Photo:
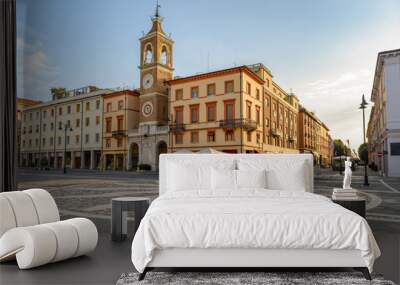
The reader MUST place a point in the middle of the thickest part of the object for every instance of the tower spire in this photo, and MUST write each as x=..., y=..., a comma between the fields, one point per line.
x=157, y=14
x=157, y=19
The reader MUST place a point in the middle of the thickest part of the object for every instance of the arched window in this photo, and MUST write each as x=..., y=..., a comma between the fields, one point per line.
x=164, y=55
x=148, y=54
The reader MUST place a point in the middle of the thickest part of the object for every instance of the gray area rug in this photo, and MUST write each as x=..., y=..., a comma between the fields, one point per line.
x=229, y=278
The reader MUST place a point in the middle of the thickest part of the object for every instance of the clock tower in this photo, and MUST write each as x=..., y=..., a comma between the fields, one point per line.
x=156, y=67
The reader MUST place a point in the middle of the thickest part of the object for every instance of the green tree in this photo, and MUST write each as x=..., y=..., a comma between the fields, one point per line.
x=58, y=91
x=339, y=148
x=363, y=152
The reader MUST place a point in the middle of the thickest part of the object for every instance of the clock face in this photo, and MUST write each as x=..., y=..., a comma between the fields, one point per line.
x=147, y=109
x=148, y=81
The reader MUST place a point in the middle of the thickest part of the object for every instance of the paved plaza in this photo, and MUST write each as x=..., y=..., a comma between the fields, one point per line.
x=88, y=193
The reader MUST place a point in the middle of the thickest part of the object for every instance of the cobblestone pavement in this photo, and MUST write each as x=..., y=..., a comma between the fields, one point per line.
x=383, y=196
x=89, y=193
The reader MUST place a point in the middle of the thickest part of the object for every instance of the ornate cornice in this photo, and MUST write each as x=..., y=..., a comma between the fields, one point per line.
x=217, y=73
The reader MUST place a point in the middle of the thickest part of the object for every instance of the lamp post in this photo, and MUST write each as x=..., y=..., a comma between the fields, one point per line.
x=66, y=128
x=340, y=164
x=363, y=105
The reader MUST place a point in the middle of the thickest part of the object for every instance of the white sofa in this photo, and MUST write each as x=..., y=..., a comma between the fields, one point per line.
x=31, y=231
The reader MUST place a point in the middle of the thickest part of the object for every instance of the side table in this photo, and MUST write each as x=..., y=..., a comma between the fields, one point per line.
x=357, y=206
x=119, y=208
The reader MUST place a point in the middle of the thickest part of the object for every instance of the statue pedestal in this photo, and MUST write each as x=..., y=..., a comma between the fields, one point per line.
x=345, y=194
x=356, y=206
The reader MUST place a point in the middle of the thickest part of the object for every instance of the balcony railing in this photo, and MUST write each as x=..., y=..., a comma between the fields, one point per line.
x=118, y=133
x=162, y=129
x=246, y=124
x=276, y=132
x=177, y=127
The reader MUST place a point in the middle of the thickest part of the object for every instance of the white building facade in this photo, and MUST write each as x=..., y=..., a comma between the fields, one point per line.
x=67, y=129
x=384, y=124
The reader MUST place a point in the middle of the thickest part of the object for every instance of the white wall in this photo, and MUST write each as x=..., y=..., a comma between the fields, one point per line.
x=392, y=85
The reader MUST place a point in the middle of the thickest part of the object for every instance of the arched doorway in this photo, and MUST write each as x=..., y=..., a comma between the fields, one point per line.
x=134, y=152
x=161, y=148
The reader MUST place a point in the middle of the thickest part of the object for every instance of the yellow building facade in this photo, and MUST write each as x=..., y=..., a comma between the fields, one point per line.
x=314, y=137
x=120, y=114
x=236, y=110
x=326, y=147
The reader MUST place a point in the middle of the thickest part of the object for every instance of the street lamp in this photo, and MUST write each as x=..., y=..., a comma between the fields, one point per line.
x=340, y=163
x=363, y=105
x=66, y=128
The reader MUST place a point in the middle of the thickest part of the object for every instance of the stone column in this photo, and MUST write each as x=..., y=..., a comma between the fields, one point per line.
x=63, y=159
x=92, y=166
x=129, y=159
x=48, y=159
x=124, y=162
x=83, y=162
x=72, y=164
x=20, y=159
x=103, y=161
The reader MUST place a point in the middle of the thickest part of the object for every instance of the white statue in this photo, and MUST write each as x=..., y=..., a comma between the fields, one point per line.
x=347, y=174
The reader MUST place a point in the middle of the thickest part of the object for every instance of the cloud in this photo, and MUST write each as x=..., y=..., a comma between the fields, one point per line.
x=35, y=73
x=336, y=100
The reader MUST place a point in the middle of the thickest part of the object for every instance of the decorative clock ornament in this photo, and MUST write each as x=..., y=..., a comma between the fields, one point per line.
x=148, y=81
x=147, y=109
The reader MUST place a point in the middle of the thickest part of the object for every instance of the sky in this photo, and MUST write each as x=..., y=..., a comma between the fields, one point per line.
x=324, y=51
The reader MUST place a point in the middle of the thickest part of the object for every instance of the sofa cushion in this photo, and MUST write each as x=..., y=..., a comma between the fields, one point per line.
x=41, y=244
x=23, y=208
x=7, y=220
x=45, y=205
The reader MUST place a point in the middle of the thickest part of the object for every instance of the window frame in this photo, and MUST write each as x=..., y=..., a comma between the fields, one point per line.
x=248, y=109
x=211, y=134
x=191, y=92
x=120, y=105
x=194, y=107
x=179, y=109
x=248, y=88
x=226, y=86
x=210, y=105
x=108, y=127
x=258, y=115
x=180, y=91
x=109, y=107
x=120, y=121
x=215, y=89
x=229, y=135
x=226, y=104
x=194, y=134
x=180, y=141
